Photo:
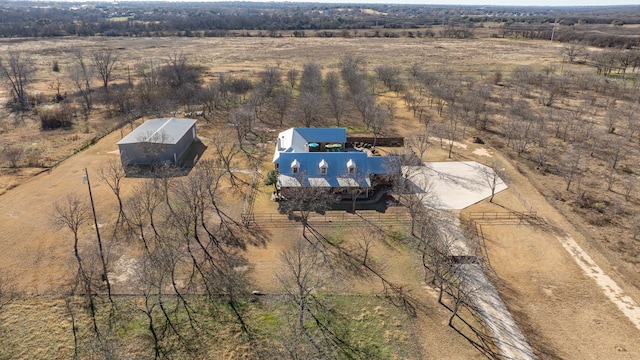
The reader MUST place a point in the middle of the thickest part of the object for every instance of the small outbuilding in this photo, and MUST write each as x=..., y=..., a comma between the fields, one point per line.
x=158, y=141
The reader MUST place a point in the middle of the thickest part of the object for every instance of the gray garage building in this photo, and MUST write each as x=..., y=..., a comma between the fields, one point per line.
x=158, y=141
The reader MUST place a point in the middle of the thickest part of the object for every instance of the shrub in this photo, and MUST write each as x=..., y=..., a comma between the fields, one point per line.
x=55, y=118
x=13, y=154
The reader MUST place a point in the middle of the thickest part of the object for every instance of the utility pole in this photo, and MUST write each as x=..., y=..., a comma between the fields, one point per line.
x=105, y=277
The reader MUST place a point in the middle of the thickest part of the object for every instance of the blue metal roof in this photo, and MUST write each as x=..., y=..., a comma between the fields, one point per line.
x=383, y=164
x=297, y=139
x=292, y=151
x=310, y=162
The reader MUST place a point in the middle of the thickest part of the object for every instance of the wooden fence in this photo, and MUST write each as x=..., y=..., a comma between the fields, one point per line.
x=503, y=215
x=332, y=218
x=381, y=141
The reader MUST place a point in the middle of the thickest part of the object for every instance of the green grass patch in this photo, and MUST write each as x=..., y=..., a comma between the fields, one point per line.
x=37, y=327
x=119, y=18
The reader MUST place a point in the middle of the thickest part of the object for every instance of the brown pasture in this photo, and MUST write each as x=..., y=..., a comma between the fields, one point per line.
x=561, y=312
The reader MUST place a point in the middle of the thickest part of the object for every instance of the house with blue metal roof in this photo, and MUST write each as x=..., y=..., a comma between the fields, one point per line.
x=321, y=157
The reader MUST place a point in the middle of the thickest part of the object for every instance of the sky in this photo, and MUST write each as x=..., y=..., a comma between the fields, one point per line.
x=545, y=3
x=486, y=2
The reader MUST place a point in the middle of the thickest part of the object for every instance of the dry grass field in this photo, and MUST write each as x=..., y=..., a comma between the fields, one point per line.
x=561, y=312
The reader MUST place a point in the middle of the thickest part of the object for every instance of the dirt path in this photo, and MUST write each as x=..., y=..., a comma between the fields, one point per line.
x=610, y=288
x=496, y=317
x=505, y=332
x=563, y=294
x=37, y=253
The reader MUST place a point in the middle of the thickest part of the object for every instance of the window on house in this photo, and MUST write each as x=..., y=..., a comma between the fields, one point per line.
x=351, y=166
x=295, y=166
x=323, y=166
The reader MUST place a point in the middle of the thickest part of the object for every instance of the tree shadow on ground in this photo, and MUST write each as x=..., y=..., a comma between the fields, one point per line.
x=541, y=346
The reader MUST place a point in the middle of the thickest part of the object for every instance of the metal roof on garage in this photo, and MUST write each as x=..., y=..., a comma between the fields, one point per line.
x=159, y=131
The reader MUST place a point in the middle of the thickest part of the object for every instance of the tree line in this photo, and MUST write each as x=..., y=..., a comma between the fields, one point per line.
x=32, y=19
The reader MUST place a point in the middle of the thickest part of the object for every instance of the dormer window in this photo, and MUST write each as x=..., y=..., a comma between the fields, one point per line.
x=323, y=166
x=351, y=166
x=295, y=166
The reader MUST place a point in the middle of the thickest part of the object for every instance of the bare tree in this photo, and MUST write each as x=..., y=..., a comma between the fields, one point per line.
x=413, y=101
x=226, y=150
x=176, y=71
x=7, y=291
x=309, y=104
x=390, y=77
x=270, y=78
x=81, y=74
x=143, y=208
x=572, y=164
x=336, y=100
x=306, y=199
x=311, y=79
x=292, y=77
x=282, y=102
x=451, y=129
x=635, y=227
x=148, y=91
x=152, y=145
x=73, y=212
x=309, y=109
x=242, y=119
x=378, y=118
x=13, y=154
x=112, y=173
x=314, y=322
x=416, y=193
x=180, y=78
x=301, y=276
x=492, y=176
x=105, y=62
x=354, y=73
x=365, y=103
x=629, y=184
x=16, y=69
x=434, y=243
x=616, y=152
x=420, y=143
x=573, y=50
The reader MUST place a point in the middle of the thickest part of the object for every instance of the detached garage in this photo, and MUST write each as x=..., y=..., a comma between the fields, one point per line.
x=158, y=141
